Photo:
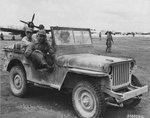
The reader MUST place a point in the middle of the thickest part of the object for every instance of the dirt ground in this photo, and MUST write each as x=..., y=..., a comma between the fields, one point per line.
x=46, y=103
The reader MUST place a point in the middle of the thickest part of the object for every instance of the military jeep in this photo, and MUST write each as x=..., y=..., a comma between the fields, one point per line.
x=94, y=80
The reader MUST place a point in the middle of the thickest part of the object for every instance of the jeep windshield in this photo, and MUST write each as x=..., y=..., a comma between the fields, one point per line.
x=71, y=36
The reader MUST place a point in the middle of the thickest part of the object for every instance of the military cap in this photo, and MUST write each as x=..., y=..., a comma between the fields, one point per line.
x=42, y=32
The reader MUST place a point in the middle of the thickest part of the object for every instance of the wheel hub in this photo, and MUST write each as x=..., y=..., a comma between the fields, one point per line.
x=86, y=102
x=17, y=81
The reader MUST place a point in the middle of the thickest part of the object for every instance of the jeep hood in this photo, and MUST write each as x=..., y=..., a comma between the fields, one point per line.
x=88, y=61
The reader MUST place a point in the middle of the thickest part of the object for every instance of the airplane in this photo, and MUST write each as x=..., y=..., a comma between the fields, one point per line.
x=21, y=32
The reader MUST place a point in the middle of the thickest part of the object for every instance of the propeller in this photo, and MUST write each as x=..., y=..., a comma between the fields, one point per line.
x=30, y=23
x=23, y=21
x=33, y=17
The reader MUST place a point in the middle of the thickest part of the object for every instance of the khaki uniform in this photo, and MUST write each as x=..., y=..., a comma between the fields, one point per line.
x=109, y=41
x=27, y=41
x=38, y=54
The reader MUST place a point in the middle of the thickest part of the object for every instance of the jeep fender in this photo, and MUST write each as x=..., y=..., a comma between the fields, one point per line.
x=75, y=75
x=88, y=72
x=14, y=62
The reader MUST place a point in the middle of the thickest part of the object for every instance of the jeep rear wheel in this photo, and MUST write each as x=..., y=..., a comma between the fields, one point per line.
x=88, y=100
x=18, y=82
x=133, y=101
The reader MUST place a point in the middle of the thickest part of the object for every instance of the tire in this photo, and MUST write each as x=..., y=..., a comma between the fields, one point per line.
x=18, y=81
x=133, y=101
x=88, y=100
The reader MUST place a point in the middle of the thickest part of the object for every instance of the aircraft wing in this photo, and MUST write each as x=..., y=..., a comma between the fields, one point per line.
x=12, y=30
x=47, y=31
x=20, y=32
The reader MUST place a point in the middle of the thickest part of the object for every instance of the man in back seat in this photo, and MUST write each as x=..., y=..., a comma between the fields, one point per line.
x=21, y=46
x=28, y=38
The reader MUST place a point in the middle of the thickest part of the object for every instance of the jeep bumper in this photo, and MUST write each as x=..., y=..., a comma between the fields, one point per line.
x=134, y=91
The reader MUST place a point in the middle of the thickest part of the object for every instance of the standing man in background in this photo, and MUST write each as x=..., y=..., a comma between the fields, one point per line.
x=109, y=41
x=2, y=36
x=100, y=35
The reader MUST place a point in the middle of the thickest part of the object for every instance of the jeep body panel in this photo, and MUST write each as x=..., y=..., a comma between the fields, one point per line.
x=53, y=79
x=88, y=61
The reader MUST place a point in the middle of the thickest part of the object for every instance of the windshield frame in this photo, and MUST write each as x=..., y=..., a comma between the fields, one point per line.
x=53, y=28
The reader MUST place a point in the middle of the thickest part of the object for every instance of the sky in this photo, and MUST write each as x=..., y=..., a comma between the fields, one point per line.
x=116, y=15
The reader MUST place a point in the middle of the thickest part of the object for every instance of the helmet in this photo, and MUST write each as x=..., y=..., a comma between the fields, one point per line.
x=42, y=32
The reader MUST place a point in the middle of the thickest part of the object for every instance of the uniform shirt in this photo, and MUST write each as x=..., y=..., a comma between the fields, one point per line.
x=109, y=38
x=26, y=40
x=43, y=47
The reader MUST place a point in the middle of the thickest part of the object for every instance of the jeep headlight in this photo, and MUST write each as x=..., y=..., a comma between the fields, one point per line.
x=108, y=69
x=132, y=64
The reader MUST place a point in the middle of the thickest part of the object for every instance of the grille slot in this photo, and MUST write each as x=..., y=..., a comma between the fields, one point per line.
x=120, y=74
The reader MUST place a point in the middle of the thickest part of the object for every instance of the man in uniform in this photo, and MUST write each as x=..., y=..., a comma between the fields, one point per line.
x=21, y=46
x=2, y=37
x=109, y=41
x=39, y=51
x=99, y=35
x=28, y=38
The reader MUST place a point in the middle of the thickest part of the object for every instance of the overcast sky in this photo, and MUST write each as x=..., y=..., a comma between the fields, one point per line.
x=117, y=15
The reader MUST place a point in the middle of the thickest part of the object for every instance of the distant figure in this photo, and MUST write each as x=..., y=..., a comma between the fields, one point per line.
x=28, y=38
x=13, y=38
x=2, y=36
x=109, y=41
x=133, y=34
x=99, y=35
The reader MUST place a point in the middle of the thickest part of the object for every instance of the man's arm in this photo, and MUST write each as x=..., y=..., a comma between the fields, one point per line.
x=29, y=50
x=50, y=49
x=112, y=39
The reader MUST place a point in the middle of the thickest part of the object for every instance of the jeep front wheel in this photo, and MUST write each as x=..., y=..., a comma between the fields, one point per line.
x=18, y=82
x=88, y=100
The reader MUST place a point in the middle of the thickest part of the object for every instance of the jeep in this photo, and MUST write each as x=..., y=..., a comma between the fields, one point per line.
x=94, y=80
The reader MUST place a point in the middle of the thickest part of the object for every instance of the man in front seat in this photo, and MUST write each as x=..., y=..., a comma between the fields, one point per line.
x=39, y=51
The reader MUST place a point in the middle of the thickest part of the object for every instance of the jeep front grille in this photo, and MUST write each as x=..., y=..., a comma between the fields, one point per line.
x=120, y=75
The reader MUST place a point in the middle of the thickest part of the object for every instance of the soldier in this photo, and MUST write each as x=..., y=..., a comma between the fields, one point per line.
x=28, y=38
x=99, y=35
x=39, y=51
x=109, y=41
x=13, y=38
x=2, y=37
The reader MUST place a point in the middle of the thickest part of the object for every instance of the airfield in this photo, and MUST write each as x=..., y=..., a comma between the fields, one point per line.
x=46, y=103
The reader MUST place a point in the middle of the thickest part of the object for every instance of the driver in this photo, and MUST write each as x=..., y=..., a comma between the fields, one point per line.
x=39, y=51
